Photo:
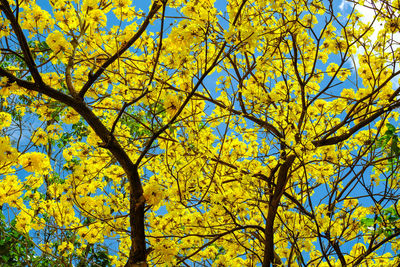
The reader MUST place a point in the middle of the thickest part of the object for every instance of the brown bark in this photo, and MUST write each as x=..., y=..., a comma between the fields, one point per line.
x=137, y=254
x=272, y=210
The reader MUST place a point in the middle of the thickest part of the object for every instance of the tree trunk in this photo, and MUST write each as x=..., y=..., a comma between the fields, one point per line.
x=137, y=254
x=272, y=210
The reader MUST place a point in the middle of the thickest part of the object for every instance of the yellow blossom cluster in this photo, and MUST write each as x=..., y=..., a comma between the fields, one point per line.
x=35, y=162
x=5, y=119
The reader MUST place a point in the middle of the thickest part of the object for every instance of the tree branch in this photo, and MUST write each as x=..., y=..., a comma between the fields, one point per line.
x=92, y=78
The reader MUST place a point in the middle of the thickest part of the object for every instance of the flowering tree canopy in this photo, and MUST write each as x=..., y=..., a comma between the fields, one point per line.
x=205, y=133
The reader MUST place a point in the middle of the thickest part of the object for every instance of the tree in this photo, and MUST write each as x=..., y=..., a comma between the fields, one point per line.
x=240, y=134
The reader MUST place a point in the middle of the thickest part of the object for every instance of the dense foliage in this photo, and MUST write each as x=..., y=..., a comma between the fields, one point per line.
x=187, y=132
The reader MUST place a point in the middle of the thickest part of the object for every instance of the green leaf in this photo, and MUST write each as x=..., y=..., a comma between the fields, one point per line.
x=367, y=222
x=390, y=129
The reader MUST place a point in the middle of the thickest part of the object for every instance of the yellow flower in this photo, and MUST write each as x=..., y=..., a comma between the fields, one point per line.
x=70, y=116
x=350, y=203
x=24, y=220
x=90, y=5
x=153, y=193
x=92, y=234
x=7, y=153
x=40, y=137
x=35, y=162
x=4, y=29
x=343, y=74
x=54, y=131
x=46, y=248
x=38, y=224
x=65, y=248
x=5, y=120
x=34, y=181
x=57, y=42
x=37, y=19
x=171, y=105
x=97, y=18
x=393, y=25
x=331, y=69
